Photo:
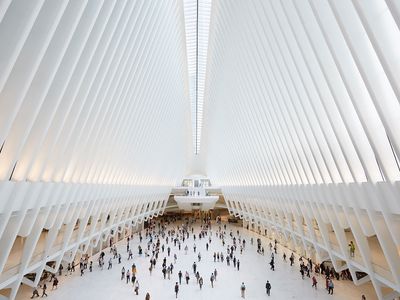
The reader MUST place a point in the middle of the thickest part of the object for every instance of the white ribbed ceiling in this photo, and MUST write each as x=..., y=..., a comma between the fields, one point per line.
x=93, y=91
x=295, y=103
x=303, y=92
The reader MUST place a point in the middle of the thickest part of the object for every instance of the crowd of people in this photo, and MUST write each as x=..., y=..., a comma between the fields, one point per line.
x=166, y=239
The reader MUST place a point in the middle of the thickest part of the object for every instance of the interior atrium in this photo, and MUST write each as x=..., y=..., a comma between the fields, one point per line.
x=200, y=132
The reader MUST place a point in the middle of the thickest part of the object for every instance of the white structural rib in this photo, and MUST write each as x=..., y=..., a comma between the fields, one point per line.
x=301, y=127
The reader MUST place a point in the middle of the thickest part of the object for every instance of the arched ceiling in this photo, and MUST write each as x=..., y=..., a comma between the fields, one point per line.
x=296, y=92
x=303, y=92
x=298, y=117
x=93, y=92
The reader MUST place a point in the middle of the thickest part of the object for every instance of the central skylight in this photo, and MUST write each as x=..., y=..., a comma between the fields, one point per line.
x=197, y=21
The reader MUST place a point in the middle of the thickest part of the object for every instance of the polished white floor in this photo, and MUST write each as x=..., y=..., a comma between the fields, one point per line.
x=254, y=271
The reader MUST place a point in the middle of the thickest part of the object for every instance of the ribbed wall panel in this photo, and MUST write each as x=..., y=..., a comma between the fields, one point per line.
x=301, y=127
x=94, y=125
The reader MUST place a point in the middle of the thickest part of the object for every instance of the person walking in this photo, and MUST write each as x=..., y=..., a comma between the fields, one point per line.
x=35, y=293
x=314, y=282
x=268, y=288
x=133, y=269
x=44, y=290
x=187, y=277
x=201, y=282
x=180, y=277
x=330, y=287
x=352, y=248
x=55, y=283
x=194, y=267
x=212, y=278
x=176, y=289
x=136, y=288
x=302, y=272
x=242, y=290
x=169, y=272
x=147, y=296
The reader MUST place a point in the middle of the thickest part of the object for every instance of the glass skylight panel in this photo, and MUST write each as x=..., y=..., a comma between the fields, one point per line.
x=197, y=22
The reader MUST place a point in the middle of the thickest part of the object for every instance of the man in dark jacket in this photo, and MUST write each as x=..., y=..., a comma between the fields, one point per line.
x=268, y=288
x=176, y=289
